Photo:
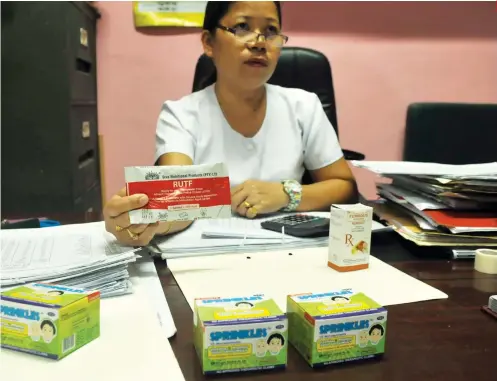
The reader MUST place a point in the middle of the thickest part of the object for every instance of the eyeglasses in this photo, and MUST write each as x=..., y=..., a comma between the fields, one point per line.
x=276, y=40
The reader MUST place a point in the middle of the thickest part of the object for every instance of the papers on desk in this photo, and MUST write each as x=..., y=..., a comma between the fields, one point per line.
x=234, y=235
x=144, y=273
x=406, y=226
x=439, y=205
x=441, y=172
x=278, y=274
x=208, y=237
x=82, y=256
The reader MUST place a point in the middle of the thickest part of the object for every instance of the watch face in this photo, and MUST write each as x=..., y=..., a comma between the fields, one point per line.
x=294, y=186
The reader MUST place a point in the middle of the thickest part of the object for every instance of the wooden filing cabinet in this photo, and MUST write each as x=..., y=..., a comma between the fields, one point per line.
x=50, y=156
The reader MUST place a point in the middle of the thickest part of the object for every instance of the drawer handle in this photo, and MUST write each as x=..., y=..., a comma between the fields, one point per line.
x=83, y=37
x=85, y=130
x=83, y=66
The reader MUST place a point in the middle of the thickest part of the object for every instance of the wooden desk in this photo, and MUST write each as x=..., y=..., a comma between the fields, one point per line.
x=438, y=340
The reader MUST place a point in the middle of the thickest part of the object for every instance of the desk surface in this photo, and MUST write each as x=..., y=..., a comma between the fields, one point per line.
x=449, y=339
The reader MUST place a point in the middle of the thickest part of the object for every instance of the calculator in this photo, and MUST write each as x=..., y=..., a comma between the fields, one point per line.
x=299, y=225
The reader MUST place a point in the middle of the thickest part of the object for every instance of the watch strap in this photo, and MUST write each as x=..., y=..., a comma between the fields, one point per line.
x=294, y=191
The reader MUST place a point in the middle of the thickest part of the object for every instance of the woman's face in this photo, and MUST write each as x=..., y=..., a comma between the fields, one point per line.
x=231, y=54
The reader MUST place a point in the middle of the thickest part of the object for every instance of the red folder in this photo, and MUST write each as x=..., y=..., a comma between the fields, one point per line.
x=463, y=219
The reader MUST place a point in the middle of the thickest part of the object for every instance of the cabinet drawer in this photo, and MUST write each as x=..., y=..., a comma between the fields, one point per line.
x=83, y=82
x=83, y=86
x=84, y=130
x=89, y=205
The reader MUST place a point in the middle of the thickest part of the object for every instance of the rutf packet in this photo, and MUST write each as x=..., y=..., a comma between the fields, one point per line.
x=180, y=193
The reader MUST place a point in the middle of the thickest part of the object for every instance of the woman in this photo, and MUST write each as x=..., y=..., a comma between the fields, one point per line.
x=265, y=134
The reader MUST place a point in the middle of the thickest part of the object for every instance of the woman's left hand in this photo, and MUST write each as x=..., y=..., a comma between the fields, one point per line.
x=255, y=197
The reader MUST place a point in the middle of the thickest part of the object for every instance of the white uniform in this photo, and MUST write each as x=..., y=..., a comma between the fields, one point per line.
x=295, y=134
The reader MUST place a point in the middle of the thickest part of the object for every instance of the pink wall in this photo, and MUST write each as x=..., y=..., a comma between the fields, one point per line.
x=384, y=56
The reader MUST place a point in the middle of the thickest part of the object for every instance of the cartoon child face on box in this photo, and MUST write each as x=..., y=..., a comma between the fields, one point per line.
x=363, y=338
x=275, y=342
x=48, y=331
x=376, y=332
x=260, y=348
x=35, y=331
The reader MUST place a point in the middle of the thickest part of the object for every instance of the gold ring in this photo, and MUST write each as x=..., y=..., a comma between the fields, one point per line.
x=132, y=235
x=254, y=211
x=247, y=205
x=119, y=228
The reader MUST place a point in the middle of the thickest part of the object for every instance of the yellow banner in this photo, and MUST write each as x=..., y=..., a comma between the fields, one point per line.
x=169, y=13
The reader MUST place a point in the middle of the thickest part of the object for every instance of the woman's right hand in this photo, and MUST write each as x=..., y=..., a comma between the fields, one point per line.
x=117, y=219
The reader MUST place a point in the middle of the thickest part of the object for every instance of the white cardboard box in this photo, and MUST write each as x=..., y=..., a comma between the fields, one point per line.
x=350, y=237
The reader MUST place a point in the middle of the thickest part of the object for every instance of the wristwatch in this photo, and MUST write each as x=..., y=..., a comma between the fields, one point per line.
x=294, y=191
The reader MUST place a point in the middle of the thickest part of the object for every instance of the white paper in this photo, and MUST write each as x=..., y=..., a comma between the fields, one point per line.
x=193, y=242
x=131, y=346
x=402, y=196
x=278, y=274
x=172, y=6
x=37, y=250
x=27, y=252
x=80, y=255
x=145, y=273
x=487, y=170
x=235, y=235
x=237, y=227
x=471, y=229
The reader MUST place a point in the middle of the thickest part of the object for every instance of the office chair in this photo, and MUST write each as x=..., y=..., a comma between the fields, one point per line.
x=302, y=68
x=451, y=133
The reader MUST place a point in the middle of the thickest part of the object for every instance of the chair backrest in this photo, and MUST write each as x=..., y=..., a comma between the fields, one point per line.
x=301, y=68
x=451, y=133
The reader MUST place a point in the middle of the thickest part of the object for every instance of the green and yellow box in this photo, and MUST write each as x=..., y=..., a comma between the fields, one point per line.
x=49, y=320
x=240, y=334
x=336, y=327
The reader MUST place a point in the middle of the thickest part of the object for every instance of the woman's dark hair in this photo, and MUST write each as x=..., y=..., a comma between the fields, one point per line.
x=49, y=323
x=214, y=12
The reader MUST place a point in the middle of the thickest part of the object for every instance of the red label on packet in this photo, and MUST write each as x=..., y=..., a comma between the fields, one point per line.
x=180, y=193
x=169, y=194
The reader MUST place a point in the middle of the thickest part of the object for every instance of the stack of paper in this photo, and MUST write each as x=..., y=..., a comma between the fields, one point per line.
x=88, y=258
x=235, y=235
x=439, y=204
x=423, y=234
x=207, y=237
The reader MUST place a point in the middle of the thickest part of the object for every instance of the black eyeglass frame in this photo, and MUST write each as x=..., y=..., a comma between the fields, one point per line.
x=234, y=32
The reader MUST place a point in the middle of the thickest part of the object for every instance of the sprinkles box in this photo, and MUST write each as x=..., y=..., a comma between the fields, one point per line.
x=335, y=327
x=240, y=334
x=49, y=320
